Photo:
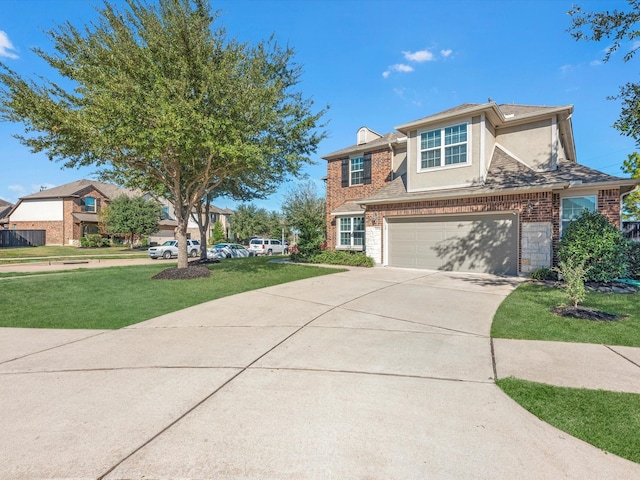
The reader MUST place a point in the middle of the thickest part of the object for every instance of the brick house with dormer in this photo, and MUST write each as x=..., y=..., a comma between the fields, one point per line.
x=479, y=188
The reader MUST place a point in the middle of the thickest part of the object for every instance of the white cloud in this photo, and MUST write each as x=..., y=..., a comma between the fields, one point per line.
x=595, y=63
x=419, y=56
x=16, y=188
x=6, y=46
x=398, y=67
x=446, y=53
x=635, y=45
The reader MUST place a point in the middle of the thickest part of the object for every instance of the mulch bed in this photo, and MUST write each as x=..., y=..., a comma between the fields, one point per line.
x=587, y=313
x=196, y=269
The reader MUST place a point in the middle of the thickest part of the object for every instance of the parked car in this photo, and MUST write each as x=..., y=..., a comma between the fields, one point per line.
x=229, y=250
x=169, y=249
x=267, y=246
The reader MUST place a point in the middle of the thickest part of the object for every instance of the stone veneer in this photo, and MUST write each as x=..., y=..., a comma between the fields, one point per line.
x=535, y=246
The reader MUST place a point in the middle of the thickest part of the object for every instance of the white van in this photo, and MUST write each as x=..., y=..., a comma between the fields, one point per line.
x=267, y=246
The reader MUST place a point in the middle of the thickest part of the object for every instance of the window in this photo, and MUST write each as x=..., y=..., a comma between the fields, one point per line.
x=572, y=207
x=453, y=149
x=357, y=171
x=90, y=204
x=164, y=213
x=351, y=232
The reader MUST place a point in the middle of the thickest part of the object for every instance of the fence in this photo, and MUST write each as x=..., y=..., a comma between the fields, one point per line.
x=631, y=230
x=22, y=238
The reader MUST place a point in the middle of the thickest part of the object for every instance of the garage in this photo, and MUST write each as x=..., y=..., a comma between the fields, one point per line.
x=471, y=243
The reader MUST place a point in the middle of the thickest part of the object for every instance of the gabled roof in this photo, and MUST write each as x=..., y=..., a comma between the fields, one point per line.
x=506, y=175
x=5, y=207
x=384, y=141
x=349, y=207
x=76, y=188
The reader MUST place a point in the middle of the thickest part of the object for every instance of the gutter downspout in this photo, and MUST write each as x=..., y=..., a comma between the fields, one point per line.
x=622, y=197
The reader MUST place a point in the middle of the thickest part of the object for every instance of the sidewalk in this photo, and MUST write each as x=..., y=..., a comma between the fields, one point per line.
x=577, y=365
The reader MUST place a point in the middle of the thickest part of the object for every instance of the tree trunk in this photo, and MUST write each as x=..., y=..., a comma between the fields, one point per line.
x=181, y=237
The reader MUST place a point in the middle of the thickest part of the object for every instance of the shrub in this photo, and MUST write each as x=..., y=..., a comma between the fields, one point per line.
x=94, y=240
x=594, y=242
x=544, y=274
x=574, y=274
x=633, y=259
x=338, y=257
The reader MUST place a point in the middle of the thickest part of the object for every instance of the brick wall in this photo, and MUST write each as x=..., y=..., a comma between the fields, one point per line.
x=54, y=230
x=381, y=165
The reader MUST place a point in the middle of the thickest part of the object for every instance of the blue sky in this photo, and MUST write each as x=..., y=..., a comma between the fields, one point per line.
x=376, y=63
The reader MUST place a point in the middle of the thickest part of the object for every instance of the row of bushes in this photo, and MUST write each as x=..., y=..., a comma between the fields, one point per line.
x=94, y=241
x=335, y=257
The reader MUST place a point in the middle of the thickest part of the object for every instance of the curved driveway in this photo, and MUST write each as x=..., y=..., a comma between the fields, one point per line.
x=368, y=374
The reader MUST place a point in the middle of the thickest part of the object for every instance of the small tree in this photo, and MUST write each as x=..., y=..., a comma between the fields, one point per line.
x=249, y=220
x=574, y=274
x=217, y=235
x=631, y=207
x=593, y=241
x=304, y=211
x=130, y=217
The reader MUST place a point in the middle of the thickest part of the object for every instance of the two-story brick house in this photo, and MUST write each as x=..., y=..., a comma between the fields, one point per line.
x=479, y=187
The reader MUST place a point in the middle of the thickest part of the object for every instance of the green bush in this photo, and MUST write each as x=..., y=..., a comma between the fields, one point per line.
x=597, y=244
x=93, y=241
x=633, y=258
x=543, y=274
x=338, y=257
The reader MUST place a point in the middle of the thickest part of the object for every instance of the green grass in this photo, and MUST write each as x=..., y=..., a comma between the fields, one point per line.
x=56, y=253
x=114, y=297
x=525, y=314
x=608, y=420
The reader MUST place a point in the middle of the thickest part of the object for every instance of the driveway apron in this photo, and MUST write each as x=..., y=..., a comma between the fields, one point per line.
x=368, y=374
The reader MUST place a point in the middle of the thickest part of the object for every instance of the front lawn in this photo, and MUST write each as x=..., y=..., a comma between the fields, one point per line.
x=525, y=314
x=114, y=297
x=58, y=253
x=608, y=420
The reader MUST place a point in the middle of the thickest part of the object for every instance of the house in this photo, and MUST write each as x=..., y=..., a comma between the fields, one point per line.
x=5, y=207
x=168, y=223
x=479, y=188
x=66, y=213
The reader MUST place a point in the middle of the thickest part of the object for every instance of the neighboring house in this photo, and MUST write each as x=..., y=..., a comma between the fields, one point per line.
x=5, y=208
x=168, y=223
x=479, y=187
x=66, y=213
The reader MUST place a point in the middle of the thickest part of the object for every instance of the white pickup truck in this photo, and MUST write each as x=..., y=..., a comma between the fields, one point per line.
x=169, y=249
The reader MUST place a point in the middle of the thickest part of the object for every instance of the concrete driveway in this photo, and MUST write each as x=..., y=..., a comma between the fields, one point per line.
x=369, y=374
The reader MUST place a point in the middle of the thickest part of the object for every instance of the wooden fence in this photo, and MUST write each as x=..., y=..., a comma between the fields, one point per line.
x=22, y=238
x=631, y=230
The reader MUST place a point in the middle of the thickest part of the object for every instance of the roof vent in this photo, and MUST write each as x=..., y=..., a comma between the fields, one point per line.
x=510, y=115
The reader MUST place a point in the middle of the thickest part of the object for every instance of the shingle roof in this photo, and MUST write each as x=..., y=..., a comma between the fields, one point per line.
x=505, y=173
x=348, y=207
x=74, y=188
x=366, y=147
x=5, y=207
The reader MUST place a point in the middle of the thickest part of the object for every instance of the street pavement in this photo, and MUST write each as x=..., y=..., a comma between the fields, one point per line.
x=376, y=373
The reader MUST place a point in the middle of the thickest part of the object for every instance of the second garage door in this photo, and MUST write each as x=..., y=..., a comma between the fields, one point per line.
x=472, y=243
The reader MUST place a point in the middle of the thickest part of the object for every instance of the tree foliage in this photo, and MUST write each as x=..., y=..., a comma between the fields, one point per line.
x=305, y=212
x=163, y=101
x=217, y=235
x=631, y=207
x=593, y=242
x=617, y=26
x=130, y=217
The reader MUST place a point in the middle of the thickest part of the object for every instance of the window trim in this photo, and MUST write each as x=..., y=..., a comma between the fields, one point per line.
x=352, y=171
x=562, y=199
x=443, y=146
x=351, y=231
x=86, y=206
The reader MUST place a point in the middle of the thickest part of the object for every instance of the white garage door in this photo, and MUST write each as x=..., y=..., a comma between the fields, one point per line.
x=471, y=243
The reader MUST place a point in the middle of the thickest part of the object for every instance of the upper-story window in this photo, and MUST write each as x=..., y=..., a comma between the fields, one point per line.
x=356, y=170
x=164, y=213
x=443, y=146
x=90, y=204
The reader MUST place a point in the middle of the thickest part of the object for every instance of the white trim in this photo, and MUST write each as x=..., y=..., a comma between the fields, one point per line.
x=354, y=157
x=347, y=214
x=443, y=146
x=483, y=131
x=446, y=187
x=339, y=245
x=554, y=143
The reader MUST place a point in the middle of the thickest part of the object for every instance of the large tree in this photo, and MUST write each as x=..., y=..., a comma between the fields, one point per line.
x=618, y=27
x=162, y=100
x=130, y=217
